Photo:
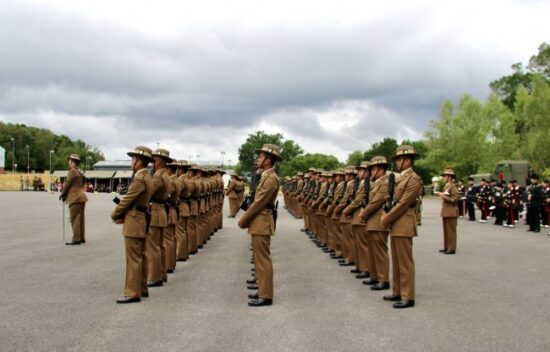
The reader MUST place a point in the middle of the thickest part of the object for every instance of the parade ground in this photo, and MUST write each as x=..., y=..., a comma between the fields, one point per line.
x=491, y=296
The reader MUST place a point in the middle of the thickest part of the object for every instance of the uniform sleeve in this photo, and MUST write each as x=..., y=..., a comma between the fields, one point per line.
x=376, y=202
x=356, y=203
x=264, y=194
x=230, y=187
x=136, y=188
x=71, y=178
x=409, y=197
x=452, y=197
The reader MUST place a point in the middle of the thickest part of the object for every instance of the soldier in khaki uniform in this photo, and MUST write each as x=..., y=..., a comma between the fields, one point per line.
x=377, y=235
x=296, y=194
x=131, y=213
x=260, y=223
x=344, y=225
x=401, y=222
x=315, y=213
x=233, y=195
x=321, y=213
x=449, y=211
x=76, y=199
x=172, y=204
x=307, y=194
x=358, y=229
x=333, y=240
x=193, y=226
x=220, y=198
x=155, y=249
x=182, y=228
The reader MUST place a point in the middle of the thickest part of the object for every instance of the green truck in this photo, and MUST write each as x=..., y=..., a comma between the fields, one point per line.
x=507, y=170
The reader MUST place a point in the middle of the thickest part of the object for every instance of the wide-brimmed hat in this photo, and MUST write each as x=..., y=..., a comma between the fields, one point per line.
x=300, y=174
x=378, y=161
x=311, y=169
x=270, y=149
x=364, y=165
x=74, y=157
x=141, y=151
x=163, y=153
x=179, y=163
x=405, y=150
x=350, y=170
x=449, y=171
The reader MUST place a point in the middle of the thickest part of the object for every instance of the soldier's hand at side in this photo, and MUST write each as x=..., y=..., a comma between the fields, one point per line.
x=384, y=222
x=241, y=224
x=119, y=221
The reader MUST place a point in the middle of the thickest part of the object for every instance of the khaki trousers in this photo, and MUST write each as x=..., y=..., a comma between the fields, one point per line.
x=338, y=236
x=233, y=206
x=449, y=234
x=136, y=267
x=348, y=242
x=154, y=252
x=263, y=265
x=77, y=221
x=192, y=233
x=379, y=260
x=362, y=249
x=402, y=267
x=182, y=247
x=170, y=246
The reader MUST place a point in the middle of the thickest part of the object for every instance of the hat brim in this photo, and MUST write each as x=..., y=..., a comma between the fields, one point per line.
x=377, y=164
x=414, y=155
x=75, y=159
x=132, y=154
x=452, y=175
x=166, y=158
x=258, y=151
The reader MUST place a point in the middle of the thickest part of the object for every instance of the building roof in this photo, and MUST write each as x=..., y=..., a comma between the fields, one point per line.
x=123, y=174
x=122, y=164
x=60, y=173
x=100, y=174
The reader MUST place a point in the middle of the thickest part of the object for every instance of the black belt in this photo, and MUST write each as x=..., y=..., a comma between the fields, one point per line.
x=185, y=200
x=140, y=208
x=158, y=201
x=171, y=204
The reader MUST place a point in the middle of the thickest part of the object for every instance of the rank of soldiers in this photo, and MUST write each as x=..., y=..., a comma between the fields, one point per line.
x=166, y=216
x=350, y=214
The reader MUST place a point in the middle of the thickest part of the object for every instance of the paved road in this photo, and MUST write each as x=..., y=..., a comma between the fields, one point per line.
x=492, y=296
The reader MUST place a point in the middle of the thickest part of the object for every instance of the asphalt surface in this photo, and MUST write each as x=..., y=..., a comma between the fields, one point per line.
x=491, y=296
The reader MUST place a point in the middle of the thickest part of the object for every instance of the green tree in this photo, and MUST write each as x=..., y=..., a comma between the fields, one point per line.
x=458, y=138
x=386, y=147
x=40, y=142
x=304, y=162
x=533, y=110
x=355, y=158
x=289, y=150
x=506, y=87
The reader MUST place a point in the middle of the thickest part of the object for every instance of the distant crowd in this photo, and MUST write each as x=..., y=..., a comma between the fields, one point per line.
x=507, y=202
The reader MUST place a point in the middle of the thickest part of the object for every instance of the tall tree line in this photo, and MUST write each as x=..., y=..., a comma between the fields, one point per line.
x=41, y=141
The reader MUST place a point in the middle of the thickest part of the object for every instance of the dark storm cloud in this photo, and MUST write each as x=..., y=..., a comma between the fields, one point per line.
x=233, y=77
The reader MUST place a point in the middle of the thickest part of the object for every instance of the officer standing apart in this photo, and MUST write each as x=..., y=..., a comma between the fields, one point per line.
x=261, y=224
x=449, y=211
x=131, y=213
x=75, y=198
x=401, y=222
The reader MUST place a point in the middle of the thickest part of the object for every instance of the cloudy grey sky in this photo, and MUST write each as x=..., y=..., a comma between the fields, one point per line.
x=199, y=76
